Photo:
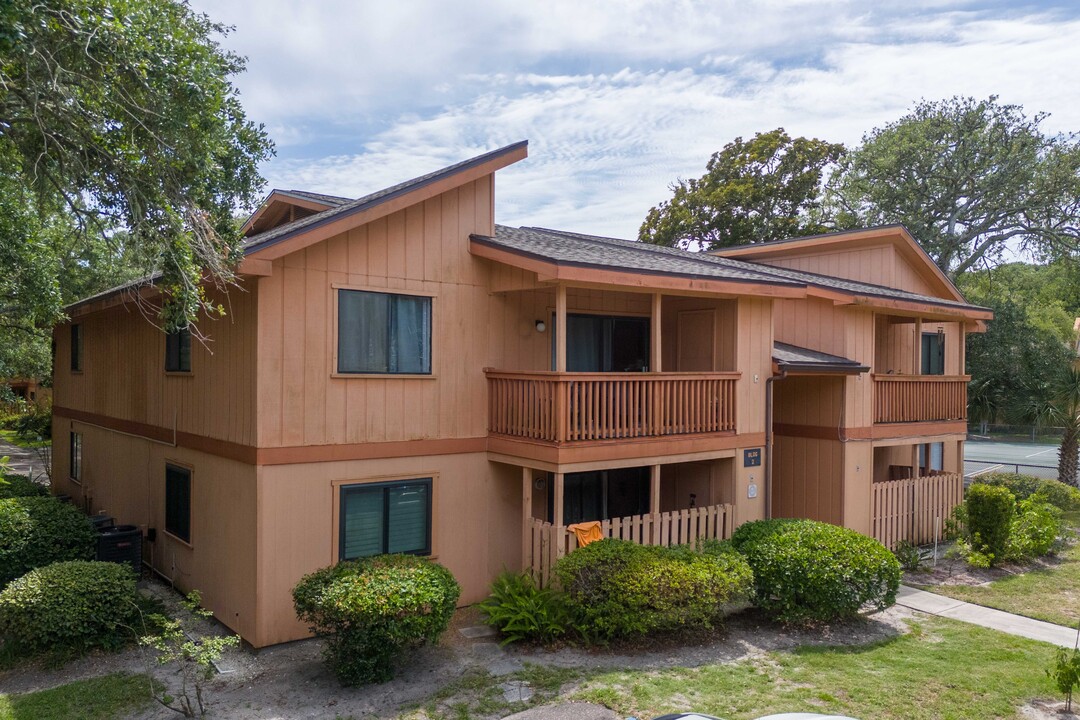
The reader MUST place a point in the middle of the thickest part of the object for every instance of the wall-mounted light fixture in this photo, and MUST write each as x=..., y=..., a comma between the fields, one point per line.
x=941, y=333
x=540, y=326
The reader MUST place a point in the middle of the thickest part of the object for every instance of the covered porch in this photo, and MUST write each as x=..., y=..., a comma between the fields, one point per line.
x=671, y=504
x=918, y=370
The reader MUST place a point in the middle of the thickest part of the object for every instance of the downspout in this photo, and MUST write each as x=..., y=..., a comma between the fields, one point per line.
x=769, y=439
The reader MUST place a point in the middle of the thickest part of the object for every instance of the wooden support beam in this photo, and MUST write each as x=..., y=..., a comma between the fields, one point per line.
x=557, y=515
x=560, y=328
x=917, y=349
x=655, y=321
x=526, y=517
x=963, y=348
x=654, y=489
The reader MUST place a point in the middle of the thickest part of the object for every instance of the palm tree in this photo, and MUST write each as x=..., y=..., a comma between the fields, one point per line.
x=1057, y=404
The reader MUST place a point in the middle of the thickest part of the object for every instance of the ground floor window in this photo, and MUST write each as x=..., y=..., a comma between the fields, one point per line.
x=178, y=502
x=76, y=457
x=937, y=456
x=378, y=518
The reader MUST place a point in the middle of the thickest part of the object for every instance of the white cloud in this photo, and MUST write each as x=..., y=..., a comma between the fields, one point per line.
x=604, y=146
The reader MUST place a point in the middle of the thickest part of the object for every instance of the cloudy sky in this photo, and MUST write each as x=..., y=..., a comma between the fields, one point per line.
x=616, y=97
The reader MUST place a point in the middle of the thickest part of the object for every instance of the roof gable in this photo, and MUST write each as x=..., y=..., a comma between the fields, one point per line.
x=285, y=206
x=913, y=269
x=301, y=233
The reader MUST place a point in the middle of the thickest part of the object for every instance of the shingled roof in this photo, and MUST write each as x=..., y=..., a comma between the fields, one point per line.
x=594, y=250
x=795, y=358
x=283, y=232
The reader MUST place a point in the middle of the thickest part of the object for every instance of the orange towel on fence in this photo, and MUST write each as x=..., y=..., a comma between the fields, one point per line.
x=586, y=532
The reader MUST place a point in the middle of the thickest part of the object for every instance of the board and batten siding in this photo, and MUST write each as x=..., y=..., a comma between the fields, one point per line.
x=422, y=250
x=879, y=264
x=123, y=370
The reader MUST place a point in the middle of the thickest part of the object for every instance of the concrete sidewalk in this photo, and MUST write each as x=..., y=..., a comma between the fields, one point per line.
x=23, y=461
x=986, y=617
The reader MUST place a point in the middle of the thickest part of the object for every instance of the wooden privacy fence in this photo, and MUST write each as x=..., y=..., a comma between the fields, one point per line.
x=920, y=398
x=914, y=509
x=568, y=407
x=679, y=527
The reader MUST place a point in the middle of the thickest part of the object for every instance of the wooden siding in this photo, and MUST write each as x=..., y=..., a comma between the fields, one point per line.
x=754, y=345
x=878, y=264
x=915, y=509
x=124, y=477
x=424, y=250
x=124, y=376
x=894, y=351
x=919, y=398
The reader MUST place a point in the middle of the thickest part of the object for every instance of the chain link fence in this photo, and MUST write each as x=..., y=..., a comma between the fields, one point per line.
x=975, y=468
x=1015, y=433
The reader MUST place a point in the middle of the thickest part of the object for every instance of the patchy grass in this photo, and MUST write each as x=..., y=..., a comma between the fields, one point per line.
x=1050, y=594
x=24, y=442
x=102, y=698
x=942, y=669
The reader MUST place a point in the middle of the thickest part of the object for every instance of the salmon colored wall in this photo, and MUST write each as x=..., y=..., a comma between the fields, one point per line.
x=476, y=516
x=808, y=473
x=124, y=477
x=857, y=486
x=754, y=345
x=124, y=375
x=722, y=326
x=423, y=249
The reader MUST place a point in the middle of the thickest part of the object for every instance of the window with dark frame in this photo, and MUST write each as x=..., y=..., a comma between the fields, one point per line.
x=76, y=347
x=379, y=518
x=76, y=457
x=383, y=333
x=933, y=354
x=178, y=351
x=178, y=502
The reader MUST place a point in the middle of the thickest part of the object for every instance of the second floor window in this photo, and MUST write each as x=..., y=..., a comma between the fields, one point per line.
x=76, y=348
x=933, y=354
x=383, y=333
x=178, y=351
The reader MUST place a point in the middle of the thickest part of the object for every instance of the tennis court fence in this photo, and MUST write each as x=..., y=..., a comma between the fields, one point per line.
x=974, y=468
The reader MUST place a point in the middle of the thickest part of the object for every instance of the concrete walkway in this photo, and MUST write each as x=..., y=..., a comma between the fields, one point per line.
x=23, y=461
x=986, y=617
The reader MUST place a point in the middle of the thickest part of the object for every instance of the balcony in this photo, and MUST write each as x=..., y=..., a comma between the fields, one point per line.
x=571, y=407
x=920, y=398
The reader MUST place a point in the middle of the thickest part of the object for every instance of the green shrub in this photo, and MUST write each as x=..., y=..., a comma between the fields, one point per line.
x=35, y=422
x=619, y=589
x=75, y=604
x=36, y=531
x=990, y=510
x=520, y=610
x=907, y=554
x=373, y=609
x=808, y=570
x=1035, y=530
x=1062, y=496
x=12, y=486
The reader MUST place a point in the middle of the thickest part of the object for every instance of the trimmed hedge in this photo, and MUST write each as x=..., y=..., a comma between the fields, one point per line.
x=372, y=609
x=808, y=570
x=1036, y=529
x=1062, y=496
x=12, y=486
x=618, y=589
x=990, y=510
x=36, y=531
x=75, y=604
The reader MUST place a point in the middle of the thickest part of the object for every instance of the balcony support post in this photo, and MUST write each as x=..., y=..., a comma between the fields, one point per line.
x=963, y=348
x=560, y=328
x=557, y=513
x=654, y=502
x=526, y=518
x=916, y=368
x=655, y=321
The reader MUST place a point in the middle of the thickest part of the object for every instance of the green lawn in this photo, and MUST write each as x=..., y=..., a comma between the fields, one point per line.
x=1052, y=595
x=101, y=698
x=942, y=669
x=18, y=440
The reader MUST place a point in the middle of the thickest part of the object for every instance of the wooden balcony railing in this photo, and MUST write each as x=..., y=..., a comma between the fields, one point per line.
x=572, y=407
x=920, y=398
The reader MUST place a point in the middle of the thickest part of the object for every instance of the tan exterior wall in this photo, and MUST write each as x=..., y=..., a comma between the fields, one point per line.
x=894, y=349
x=424, y=250
x=123, y=371
x=878, y=264
x=124, y=477
x=476, y=518
x=754, y=343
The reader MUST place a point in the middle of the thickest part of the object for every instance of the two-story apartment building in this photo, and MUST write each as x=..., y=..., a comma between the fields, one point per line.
x=397, y=373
